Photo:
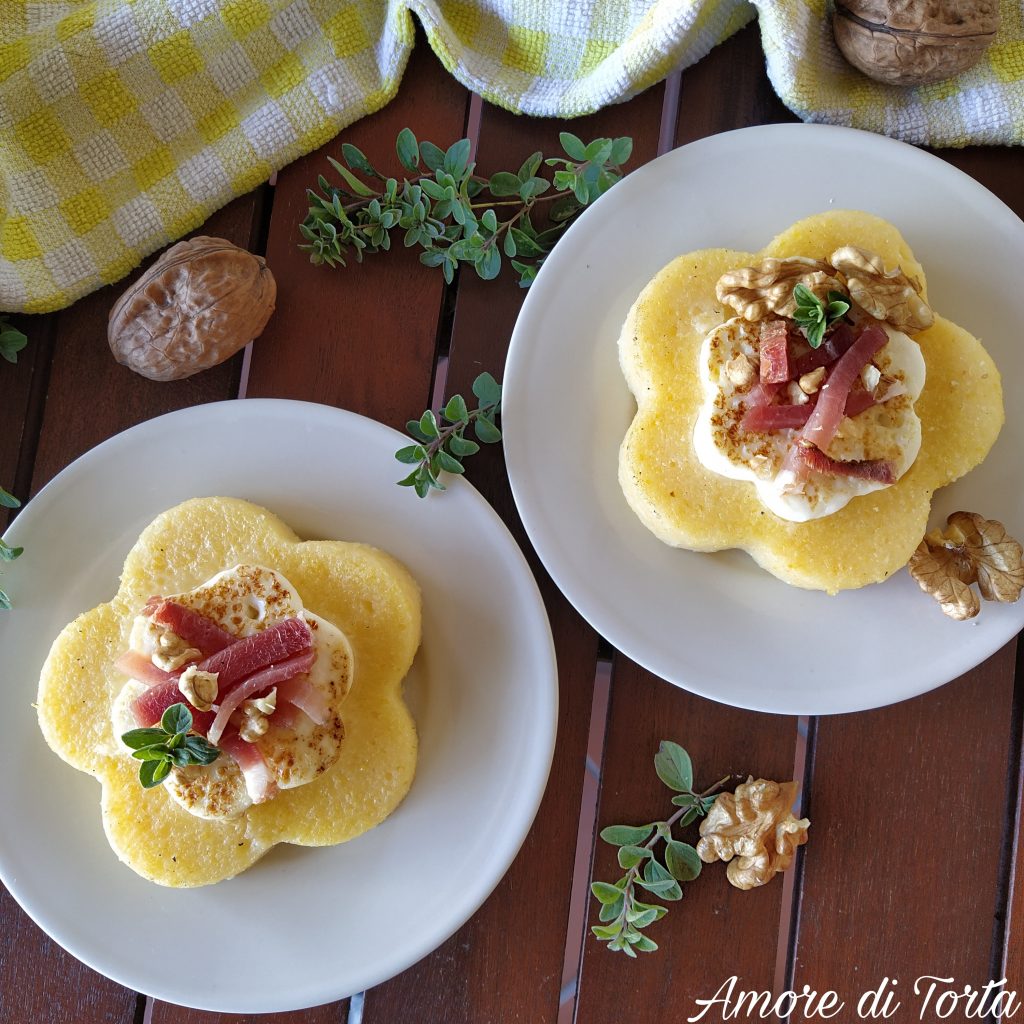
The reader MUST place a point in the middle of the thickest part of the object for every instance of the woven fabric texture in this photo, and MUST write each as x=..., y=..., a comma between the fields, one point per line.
x=125, y=123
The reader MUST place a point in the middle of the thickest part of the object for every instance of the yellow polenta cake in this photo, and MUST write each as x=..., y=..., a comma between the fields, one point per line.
x=688, y=505
x=362, y=591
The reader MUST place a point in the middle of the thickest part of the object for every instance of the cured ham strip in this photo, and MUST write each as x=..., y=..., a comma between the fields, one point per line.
x=301, y=693
x=765, y=418
x=149, y=707
x=196, y=629
x=138, y=666
x=775, y=352
x=253, y=653
x=879, y=470
x=831, y=404
x=260, y=783
x=761, y=394
x=836, y=344
x=260, y=682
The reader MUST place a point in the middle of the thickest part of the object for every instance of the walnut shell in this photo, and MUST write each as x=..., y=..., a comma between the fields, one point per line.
x=196, y=306
x=914, y=42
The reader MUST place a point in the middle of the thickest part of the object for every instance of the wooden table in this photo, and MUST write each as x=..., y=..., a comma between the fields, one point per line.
x=914, y=865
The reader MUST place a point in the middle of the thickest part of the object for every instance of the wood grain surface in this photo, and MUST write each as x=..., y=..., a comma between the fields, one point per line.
x=914, y=864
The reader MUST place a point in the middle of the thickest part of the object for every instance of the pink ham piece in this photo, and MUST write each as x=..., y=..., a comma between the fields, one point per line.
x=879, y=470
x=835, y=345
x=258, y=683
x=148, y=707
x=775, y=352
x=301, y=693
x=761, y=394
x=196, y=629
x=138, y=666
x=831, y=404
x=253, y=653
x=762, y=419
x=260, y=783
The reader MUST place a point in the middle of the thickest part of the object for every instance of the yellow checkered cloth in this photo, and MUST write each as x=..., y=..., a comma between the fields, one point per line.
x=125, y=123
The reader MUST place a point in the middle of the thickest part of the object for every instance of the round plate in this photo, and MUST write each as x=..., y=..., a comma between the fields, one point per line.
x=329, y=921
x=717, y=624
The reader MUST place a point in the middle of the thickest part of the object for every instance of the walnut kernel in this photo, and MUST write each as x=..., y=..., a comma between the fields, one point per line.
x=886, y=295
x=756, y=291
x=755, y=826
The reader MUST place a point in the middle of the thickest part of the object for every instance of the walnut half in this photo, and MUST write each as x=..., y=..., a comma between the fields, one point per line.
x=755, y=826
x=756, y=291
x=971, y=549
x=887, y=295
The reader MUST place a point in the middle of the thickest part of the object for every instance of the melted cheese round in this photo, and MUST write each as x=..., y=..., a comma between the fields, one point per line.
x=244, y=601
x=890, y=430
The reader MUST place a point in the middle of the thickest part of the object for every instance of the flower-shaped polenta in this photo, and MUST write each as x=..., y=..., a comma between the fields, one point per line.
x=366, y=593
x=688, y=505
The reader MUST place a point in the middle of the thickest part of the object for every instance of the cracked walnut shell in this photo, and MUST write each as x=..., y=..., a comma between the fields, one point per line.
x=971, y=549
x=887, y=295
x=767, y=287
x=754, y=830
x=196, y=306
x=914, y=42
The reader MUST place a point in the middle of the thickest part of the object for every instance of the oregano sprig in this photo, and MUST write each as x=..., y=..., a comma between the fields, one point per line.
x=815, y=316
x=441, y=442
x=168, y=745
x=12, y=341
x=450, y=212
x=623, y=914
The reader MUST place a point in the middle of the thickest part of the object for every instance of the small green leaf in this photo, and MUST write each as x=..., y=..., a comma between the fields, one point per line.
x=8, y=500
x=610, y=911
x=682, y=861
x=428, y=424
x=486, y=431
x=490, y=266
x=598, y=151
x=449, y=463
x=431, y=155
x=606, y=931
x=629, y=856
x=462, y=446
x=152, y=773
x=7, y=553
x=456, y=411
x=412, y=427
x=622, y=149
x=626, y=835
x=408, y=149
x=12, y=341
x=356, y=159
x=487, y=389
x=156, y=752
x=457, y=158
x=5, y=601
x=667, y=889
x=176, y=719
x=673, y=766
x=351, y=180
x=200, y=750
x=490, y=220
x=412, y=454
x=645, y=945
x=533, y=187
x=508, y=245
x=606, y=892
x=573, y=146
x=504, y=184
x=686, y=800
x=138, y=738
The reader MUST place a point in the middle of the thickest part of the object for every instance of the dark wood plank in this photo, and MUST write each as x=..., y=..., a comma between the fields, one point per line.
x=716, y=930
x=89, y=398
x=909, y=805
x=361, y=337
x=477, y=976
x=645, y=710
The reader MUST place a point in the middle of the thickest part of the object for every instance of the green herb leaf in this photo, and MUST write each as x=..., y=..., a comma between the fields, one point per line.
x=573, y=146
x=682, y=861
x=629, y=856
x=673, y=766
x=12, y=341
x=138, y=738
x=8, y=500
x=626, y=835
x=605, y=892
x=408, y=149
x=176, y=719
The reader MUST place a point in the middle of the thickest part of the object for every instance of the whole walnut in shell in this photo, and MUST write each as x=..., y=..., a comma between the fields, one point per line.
x=196, y=306
x=914, y=42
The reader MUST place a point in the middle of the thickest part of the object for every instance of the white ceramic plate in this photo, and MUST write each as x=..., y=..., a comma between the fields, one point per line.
x=717, y=624
x=302, y=926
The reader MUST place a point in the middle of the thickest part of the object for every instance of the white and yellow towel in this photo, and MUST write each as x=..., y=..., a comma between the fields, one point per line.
x=125, y=123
